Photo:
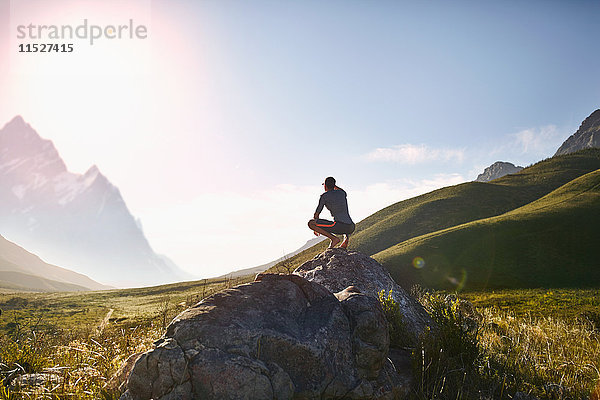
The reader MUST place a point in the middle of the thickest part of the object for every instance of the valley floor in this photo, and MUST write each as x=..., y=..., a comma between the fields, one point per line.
x=544, y=342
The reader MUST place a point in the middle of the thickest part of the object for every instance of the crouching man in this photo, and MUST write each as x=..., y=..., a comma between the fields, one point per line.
x=334, y=199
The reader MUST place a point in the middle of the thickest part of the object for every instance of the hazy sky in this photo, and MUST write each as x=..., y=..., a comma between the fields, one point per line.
x=220, y=126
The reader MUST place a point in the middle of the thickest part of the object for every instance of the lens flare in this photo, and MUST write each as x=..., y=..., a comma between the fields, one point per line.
x=459, y=283
x=418, y=262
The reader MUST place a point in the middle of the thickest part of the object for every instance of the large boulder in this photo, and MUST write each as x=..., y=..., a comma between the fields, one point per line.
x=337, y=269
x=279, y=337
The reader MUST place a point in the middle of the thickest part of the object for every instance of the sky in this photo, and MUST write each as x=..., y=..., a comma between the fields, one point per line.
x=220, y=125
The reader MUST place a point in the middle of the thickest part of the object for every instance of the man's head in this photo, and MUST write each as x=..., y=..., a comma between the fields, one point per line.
x=329, y=183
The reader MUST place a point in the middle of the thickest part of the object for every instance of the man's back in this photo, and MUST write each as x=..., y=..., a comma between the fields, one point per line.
x=334, y=199
x=336, y=203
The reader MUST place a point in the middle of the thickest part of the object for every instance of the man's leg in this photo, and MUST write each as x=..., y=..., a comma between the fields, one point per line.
x=312, y=224
x=348, y=231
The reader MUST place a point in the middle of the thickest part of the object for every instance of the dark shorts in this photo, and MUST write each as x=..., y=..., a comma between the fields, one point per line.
x=335, y=227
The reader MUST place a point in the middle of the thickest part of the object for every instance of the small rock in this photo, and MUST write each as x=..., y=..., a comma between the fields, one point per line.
x=524, y=396
x=36, y=380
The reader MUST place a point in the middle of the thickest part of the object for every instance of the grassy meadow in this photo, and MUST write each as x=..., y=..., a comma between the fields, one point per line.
x=505, y=344
x=538, y=341
x=80, y=339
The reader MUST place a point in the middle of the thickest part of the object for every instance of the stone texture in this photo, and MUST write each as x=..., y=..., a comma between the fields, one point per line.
x=280, y=337
x=119, y=378
x=337, y=269
x=370, y=337
x=284, y=337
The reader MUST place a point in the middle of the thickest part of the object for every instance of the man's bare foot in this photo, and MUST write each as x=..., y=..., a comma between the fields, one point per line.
x=344, y=244
x=334, y=242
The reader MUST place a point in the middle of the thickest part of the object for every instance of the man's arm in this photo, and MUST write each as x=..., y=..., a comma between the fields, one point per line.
x=319, y=207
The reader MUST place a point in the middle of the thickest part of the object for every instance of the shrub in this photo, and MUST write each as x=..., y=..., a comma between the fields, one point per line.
x=445, y=360
x=399, y=337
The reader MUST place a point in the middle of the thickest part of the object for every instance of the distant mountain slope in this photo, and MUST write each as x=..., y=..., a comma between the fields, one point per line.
x=587, y=136
x=260, y=268
x=498, y=170
x=26, y=271
x=455, y=205
x=18, y=281
x=79, y=221
x=551, y=242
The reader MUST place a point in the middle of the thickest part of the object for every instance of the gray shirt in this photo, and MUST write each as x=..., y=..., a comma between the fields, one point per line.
x=336, y=203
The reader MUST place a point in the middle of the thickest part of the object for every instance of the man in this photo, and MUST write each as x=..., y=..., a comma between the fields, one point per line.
x=334, y=199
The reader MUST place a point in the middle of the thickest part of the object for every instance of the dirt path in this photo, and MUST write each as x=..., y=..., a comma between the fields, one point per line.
x=105, y=320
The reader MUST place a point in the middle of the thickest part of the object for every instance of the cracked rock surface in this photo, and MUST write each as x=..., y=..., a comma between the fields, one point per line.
x=336, y=269
x=280, y=337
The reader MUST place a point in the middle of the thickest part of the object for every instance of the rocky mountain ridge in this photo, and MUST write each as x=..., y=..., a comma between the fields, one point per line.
x=587, y=136
x=498, y=170
x=78, y=221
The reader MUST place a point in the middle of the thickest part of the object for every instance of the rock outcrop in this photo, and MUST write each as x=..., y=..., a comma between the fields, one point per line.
x=337, y=269
x=497, y=170
x=280, y=337
x=587, y=136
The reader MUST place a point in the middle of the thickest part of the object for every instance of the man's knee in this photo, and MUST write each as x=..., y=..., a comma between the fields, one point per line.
x=312, y=224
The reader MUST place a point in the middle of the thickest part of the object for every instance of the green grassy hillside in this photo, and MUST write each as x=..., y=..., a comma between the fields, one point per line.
x=551, y=242
x=459, y=204
x=469, y=201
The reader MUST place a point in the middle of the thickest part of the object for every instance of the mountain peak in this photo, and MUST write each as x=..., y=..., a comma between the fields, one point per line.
x=592, y=121
x=23, y=149
x=17, y=121
x=18, y=127
x=587, y=136
x=94, y=176
x=92, y=171
x=497, y=170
